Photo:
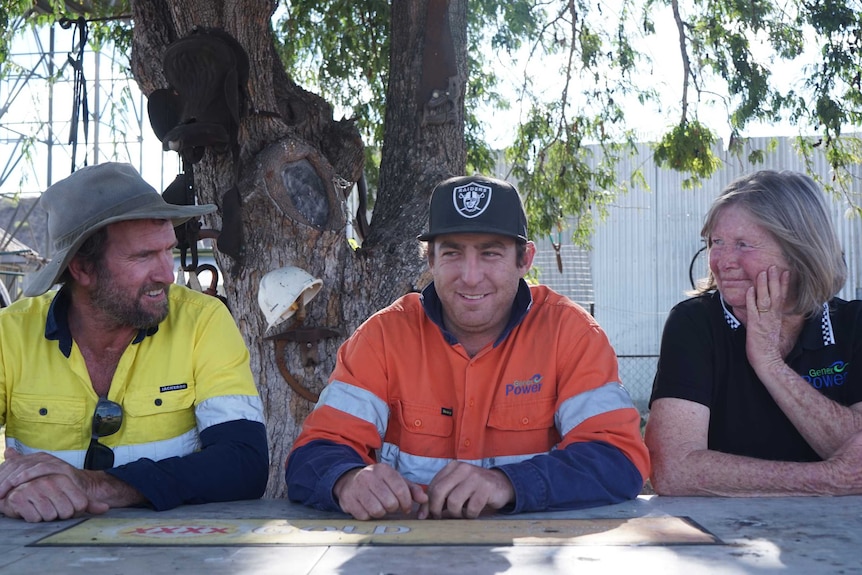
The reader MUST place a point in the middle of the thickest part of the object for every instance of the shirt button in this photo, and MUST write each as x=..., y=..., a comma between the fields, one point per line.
x=472, y=403
x=525, y=421
x=158, y=402
x=466, y=443
x=43, y=411
x=417, y=423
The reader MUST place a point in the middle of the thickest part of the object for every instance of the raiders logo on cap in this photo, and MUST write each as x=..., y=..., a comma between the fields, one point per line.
x=471, y=200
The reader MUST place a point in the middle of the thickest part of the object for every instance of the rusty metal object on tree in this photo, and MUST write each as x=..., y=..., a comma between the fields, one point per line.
x=181, y=192
x=439, y=90
x=230, y=240
x=440, y=109
x=213, y=287
x=559, y=255
x=308, y=338
x=208, y=75
x=212, y=290
x=300, y=184
x=362, y=226
x=557, y=249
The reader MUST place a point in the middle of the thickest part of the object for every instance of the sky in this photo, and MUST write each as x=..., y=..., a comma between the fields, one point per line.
x=665, y=74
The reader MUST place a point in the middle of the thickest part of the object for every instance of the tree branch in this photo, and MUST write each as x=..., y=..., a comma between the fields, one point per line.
x=686, y=64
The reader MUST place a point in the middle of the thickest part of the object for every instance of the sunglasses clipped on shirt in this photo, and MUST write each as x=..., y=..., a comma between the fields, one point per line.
x=107, y=420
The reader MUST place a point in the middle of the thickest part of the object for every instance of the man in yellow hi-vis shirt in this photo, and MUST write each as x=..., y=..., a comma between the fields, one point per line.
x=121, y=388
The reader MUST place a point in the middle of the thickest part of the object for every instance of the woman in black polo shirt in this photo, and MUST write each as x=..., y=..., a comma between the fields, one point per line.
x=759, y=383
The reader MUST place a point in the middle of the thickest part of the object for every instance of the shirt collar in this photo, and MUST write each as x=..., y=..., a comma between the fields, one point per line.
x=728, y=315
x=816, y=331
x=520, y=306
x=57, y=324
x=820, y=329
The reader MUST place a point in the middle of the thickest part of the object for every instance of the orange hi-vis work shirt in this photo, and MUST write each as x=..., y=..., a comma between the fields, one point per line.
x=404, y=394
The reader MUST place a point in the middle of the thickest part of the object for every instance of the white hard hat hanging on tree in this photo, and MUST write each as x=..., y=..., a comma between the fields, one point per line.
x=284, y=292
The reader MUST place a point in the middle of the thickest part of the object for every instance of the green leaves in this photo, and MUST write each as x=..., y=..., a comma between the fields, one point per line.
x=688, y=148
x=340, y=49
x=560, y=177
x=754, y=58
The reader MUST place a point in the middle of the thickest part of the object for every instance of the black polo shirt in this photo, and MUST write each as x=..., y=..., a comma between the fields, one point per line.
x=703, y=359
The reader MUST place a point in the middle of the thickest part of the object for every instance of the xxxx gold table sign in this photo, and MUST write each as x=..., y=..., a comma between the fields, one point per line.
x=310, y=532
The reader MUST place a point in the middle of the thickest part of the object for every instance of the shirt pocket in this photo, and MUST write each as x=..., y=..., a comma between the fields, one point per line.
x=522, y=428
x=524, y=416
x=49, y=423
x=424, y=419
x=154, y=416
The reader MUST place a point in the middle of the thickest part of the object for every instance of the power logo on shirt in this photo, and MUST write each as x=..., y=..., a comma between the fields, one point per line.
x=524, y=387
x=830, y=376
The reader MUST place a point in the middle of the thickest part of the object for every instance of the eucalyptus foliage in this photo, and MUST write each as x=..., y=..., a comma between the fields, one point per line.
x=735, y=44
x=727, y=48
x=340, y=48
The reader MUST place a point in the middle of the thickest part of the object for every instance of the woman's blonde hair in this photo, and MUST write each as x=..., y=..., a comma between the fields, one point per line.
x=791, y=207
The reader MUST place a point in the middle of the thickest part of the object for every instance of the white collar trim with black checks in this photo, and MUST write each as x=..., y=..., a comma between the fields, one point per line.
x=825, y=321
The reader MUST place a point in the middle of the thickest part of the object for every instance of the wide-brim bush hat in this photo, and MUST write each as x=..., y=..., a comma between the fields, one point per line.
x=90, y=199
x=476, y=204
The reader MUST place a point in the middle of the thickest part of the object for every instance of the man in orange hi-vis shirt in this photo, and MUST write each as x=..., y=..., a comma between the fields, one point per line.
x=480, y=393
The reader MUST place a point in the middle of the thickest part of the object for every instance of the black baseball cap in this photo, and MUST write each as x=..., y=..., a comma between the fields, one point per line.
x=476, y=204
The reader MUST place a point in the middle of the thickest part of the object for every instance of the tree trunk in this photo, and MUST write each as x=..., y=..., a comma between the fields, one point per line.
x=288, y=220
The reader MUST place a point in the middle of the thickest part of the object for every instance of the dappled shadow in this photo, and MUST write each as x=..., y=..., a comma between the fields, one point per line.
x=478, y=560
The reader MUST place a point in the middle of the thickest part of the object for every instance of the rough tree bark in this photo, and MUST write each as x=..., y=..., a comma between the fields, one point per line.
x=289, y=129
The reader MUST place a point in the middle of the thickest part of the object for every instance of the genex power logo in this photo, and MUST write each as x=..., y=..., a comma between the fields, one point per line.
x=830, y=376
x=471, y=199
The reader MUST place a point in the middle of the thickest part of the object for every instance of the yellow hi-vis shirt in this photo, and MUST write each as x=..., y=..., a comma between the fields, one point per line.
x=173, y=381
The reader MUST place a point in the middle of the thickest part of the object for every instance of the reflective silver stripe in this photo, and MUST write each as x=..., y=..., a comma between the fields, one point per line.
x=225, y=408
x=357, y=402
x=577, y=409
x=179, y=446
x=73, y=457
x=423, y=469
